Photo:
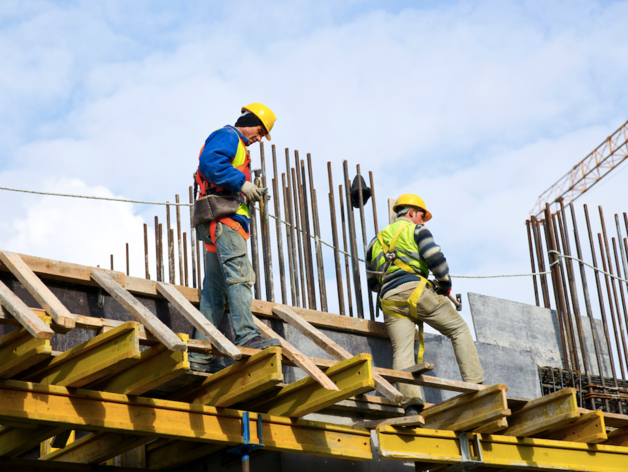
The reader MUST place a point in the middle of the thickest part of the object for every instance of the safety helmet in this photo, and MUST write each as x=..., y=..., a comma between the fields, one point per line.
x=408, y=199
x=263, y=113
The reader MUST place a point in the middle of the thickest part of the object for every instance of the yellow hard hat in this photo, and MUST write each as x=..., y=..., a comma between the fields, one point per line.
x=408, y=199
x=263, y=113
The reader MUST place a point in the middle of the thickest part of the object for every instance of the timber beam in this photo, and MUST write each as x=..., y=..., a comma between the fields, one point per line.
x=589, y=428
x=352, y=377
x=442, y=448
x=172, y=453
x=101, y=356
x=17, y=441
x=19, y=351
x=102, y=411
x=243, y=380
x=96, y=448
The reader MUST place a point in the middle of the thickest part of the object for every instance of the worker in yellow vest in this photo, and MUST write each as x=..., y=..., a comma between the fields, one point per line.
x=398, y=263
x=224, y=170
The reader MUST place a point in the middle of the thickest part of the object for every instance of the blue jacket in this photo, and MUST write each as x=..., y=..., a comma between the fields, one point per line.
x=215, y=163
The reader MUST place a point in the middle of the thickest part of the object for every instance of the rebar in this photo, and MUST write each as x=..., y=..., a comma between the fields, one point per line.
x=299, y=239
x=277, y=203
x=373, y=201
x=169, y=242
x=257, y=289
x=147, y=273
x=200, y=249
x=308, y=235
x=265, y=225
x=364, y=241
x=346, y=249
x=305, y=232
x=534, y=284
x=322, y=286
x=127, y=260
x=587, y=304
x=294, y=233
x=334, y=235
x=196, y=283
x=541, y=260
x=111, y=261
x=161, y=253
x=185, y=259
x=179, y=240
x=289, y=243
x=353, y=244
x=158, y=265
x=621, y=293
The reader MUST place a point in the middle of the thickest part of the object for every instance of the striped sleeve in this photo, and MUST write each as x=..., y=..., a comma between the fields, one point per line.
x=433, y=256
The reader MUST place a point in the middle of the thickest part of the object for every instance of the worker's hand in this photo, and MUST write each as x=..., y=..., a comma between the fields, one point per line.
x=443, y=288
x=252, y=192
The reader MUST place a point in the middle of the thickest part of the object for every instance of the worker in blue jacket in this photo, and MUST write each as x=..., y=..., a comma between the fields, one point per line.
x=224, y=169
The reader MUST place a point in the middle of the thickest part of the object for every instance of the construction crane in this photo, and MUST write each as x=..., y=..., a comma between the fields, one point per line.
x=588, y=172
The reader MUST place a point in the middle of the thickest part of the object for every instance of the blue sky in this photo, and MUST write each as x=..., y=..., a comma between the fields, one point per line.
x=476, y=106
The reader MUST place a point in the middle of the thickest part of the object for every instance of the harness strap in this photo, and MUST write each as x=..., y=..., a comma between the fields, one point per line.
x=227, y=222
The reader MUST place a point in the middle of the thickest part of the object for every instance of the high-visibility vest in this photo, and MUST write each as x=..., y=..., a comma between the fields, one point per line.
x=240, y=161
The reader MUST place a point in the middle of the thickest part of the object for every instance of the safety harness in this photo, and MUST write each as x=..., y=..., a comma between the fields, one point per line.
x=393, y=259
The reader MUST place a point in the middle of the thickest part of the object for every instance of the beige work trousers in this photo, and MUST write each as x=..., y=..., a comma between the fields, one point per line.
x=436, y=311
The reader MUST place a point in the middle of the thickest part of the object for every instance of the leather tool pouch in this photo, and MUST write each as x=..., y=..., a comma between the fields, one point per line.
x=213, y=207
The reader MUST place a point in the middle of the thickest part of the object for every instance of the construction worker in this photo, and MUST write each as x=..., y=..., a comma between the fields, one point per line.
x=398, y=262
x=224, y=170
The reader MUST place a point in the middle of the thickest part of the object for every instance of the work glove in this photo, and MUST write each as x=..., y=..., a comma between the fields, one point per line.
x=252, y=192
x=443, y=288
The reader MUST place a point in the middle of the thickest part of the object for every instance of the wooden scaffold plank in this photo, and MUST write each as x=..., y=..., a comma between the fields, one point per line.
x=243, y=380
x=332, y=348
x=19, y=351
x=22, y=313
x=85, y=409
x=38, y=290
x=97, y=358
x=139, y=311
x=199, y=321
x=353, y=376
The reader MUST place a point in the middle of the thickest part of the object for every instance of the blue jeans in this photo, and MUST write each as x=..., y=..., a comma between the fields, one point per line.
x=228, y=276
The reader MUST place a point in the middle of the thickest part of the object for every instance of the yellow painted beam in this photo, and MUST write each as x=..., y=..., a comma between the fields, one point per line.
x=244, y=379
x=99, y=357
x=156, y=366
x=96, y=448
x=506, y=453
x=618, y=437
x=352, y=376
x=544, y=413
x=589, y=428
x=17, y=441
x=172, y=453
x=19, y=351
x=492, y=427
x=469, y=411
x=103, y=411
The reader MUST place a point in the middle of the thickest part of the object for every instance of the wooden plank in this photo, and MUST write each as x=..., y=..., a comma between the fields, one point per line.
x=171, y=453
x=419, y=369
x=156, y=366
x=20, y=351
x=38, y=290
x=544, y=413
x=589, y=428
x=405, y=421
x=85, y=409
x=353, y=376
x=618, y=437
x=198, y=320
x=492, y=427
x=616, y=420
x=332, y=348
x=241, y=381
x=139, y=311
x=96, y=448
x=17, y=441
x=398, y=376
x=22, y=313
x=300, y=360
x=99, y=357
x=469, y=411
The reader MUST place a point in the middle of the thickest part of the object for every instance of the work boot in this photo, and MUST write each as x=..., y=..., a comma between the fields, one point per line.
x=414, y=410
x=257, y=342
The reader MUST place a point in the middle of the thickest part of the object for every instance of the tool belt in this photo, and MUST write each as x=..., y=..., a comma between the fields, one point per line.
x=214, y=207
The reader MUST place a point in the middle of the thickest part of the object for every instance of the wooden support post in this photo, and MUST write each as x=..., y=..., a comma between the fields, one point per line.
x=589, y=428
x=199, y=321
x=85, y=409
x=16, y=441
x=353, y=376
x=139, y=311
x=22, y=313
x=332, y=348
x=470, y=411
x=19, y=351
x=99, y=357
x=239, y=382
x=172, y=453
x=38, y=290
x=544, y=413
x=300, y=360
x=156, y=366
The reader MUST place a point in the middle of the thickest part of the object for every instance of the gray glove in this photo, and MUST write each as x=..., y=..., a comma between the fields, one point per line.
x=252, y=192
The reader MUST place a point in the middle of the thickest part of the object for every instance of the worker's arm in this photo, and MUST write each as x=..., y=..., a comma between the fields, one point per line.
x=433, y=256
x=372, y=280
x=215, y=160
